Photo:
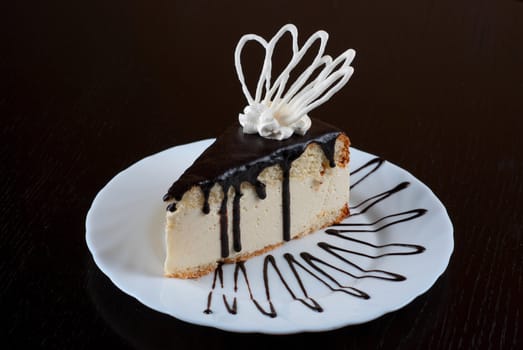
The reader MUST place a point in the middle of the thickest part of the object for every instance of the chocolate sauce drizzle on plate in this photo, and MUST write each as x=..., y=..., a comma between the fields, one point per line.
x=235, y=158
x=318, y=268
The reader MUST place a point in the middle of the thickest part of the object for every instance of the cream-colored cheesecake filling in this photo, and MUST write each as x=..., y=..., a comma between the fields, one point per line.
x=318, y=197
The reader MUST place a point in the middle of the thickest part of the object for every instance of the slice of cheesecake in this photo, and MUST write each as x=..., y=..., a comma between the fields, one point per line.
x=246, y=195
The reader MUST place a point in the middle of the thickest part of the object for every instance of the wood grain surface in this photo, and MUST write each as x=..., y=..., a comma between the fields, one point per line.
x=89, y=87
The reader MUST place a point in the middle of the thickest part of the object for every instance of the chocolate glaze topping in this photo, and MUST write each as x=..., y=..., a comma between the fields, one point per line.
x=236, y=157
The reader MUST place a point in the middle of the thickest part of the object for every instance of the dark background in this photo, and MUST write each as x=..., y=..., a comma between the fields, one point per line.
x=88, y=88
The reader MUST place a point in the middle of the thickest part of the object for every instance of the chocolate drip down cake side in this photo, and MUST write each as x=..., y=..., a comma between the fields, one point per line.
x=276, y=176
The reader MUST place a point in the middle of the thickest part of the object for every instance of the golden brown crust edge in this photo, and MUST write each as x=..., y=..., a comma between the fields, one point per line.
x=345, y=153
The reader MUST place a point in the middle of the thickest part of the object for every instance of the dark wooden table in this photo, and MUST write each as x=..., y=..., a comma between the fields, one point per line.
x=88, y=88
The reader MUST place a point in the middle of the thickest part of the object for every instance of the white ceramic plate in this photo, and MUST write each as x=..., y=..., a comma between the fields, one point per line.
x=394, y=215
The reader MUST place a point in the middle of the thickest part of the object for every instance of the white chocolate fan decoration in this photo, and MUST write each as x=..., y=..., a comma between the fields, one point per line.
x=277, y=115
